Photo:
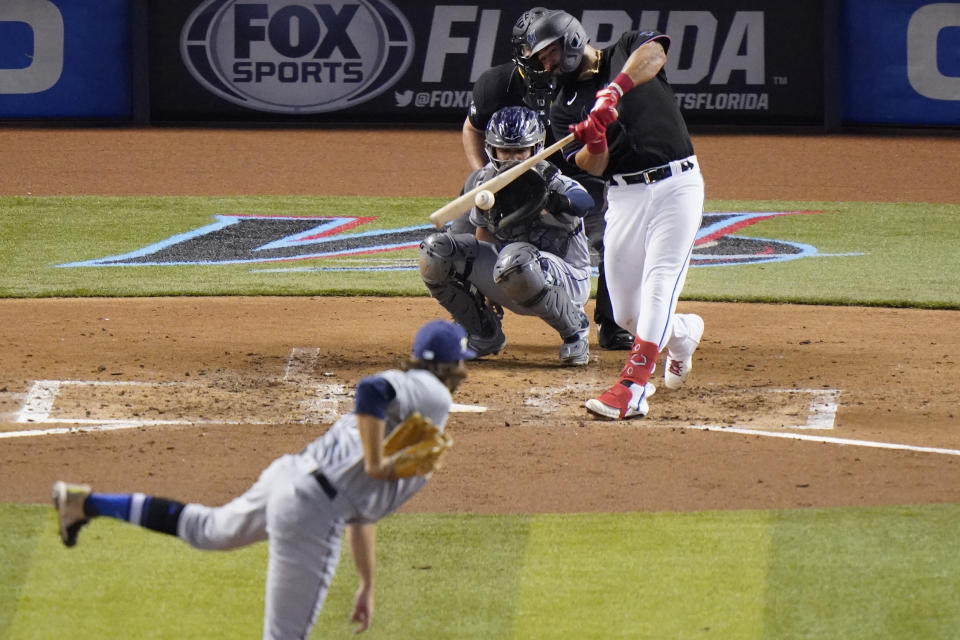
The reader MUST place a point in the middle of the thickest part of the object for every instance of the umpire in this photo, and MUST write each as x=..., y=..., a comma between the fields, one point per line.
x=520, y=83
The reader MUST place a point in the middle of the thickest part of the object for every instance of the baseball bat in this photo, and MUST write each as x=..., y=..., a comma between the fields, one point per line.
x=458, y=206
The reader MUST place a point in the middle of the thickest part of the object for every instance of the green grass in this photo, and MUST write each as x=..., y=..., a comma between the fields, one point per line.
x=824, y=573
x=821, y=573
x=40, y=233
x=909, y=256
x=894, y=254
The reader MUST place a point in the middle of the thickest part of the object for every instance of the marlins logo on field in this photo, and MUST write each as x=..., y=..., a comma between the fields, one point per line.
x=239, y=239
x=292, y=56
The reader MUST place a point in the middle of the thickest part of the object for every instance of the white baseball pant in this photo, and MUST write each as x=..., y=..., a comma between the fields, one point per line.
x=649, y=236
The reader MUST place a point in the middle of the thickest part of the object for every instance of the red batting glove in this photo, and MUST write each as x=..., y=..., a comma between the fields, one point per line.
x=591, y=132
x=603, y=113
x=608, y=98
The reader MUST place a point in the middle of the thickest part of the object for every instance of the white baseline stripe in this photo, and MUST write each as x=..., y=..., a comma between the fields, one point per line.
x=824, y=439
x=62, y=430
x=115, y=383
x=39, y=401
x=467, y=408
x=91, y=425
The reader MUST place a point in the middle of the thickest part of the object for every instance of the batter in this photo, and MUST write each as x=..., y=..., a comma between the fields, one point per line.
x=302, y=502
x=629, y=131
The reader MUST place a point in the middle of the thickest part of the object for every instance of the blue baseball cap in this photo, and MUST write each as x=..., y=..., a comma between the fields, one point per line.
x=442, y=341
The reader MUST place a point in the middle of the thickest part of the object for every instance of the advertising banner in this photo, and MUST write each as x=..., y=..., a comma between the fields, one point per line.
x=65, y=59
x=362, y=61
x=902, y=62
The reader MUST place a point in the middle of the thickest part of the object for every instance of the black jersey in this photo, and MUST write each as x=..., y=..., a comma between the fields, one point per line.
x=497, y=87
x=650, y=130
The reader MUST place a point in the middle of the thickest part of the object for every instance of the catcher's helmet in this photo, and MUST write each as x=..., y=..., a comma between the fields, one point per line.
x=513, y=128
x=551, y=27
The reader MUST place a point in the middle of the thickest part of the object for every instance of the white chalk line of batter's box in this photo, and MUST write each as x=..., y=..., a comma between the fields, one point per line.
x=821, y=415
x=822, y=412
x=39, y=402
x=91, y=426
x=302, y=361
x=43, y=393
x=823, y=407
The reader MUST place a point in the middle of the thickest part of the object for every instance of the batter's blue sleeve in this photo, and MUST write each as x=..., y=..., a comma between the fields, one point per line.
x=374, y=393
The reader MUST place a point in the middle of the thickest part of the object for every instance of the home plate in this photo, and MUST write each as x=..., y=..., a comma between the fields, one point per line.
x=466, y=408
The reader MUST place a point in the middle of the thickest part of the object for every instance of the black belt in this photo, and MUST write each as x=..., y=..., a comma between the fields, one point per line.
x=328, y=488
x=656, y=174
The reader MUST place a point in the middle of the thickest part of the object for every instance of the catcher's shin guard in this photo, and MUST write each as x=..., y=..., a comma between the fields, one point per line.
x=445, y=263
x=521, y=274
x=469, y=308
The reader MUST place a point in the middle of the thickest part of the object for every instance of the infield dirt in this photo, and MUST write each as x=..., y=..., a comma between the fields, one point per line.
x=241, y=380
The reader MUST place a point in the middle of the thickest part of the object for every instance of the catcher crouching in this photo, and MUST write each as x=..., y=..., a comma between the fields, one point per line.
x=529, y=251
x=362, y=469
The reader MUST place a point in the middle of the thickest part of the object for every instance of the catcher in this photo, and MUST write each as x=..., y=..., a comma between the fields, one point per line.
x=349, y=478
x=529, y=253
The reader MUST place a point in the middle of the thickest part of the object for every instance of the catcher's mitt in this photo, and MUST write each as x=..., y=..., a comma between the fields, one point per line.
x=416, y=446
x=520, y=201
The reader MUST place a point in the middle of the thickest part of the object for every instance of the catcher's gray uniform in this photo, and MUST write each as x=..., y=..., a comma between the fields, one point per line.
x=538, y=265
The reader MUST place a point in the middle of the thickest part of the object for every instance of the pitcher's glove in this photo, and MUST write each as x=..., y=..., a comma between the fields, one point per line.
x=416, y=446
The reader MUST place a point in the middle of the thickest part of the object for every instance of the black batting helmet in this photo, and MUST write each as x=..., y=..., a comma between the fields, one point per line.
x=549, y=28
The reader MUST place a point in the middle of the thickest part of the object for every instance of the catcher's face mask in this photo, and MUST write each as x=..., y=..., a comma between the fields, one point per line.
x=509, y=157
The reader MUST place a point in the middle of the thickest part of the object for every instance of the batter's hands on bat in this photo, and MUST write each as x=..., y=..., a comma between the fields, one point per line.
x=362, y=609
x=605, y=108
x=592, y=132
x=609, y=96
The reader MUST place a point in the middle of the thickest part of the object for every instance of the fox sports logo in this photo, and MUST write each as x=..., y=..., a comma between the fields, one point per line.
x=293, y=56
